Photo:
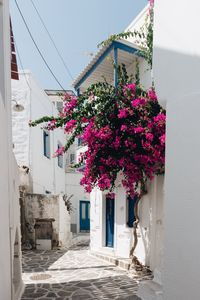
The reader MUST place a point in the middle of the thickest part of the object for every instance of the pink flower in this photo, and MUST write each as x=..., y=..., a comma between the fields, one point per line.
x=110, y=195
x=130, y=86
x=149, y=137
x=124, y=128
x=151, y=2
x=69, y=126
x=51, y=125
x=152, y=95
x=122, y=113
x=162, y=139
x=137, y=102
x=59, y=151
x=138, y=129
x=160, y=118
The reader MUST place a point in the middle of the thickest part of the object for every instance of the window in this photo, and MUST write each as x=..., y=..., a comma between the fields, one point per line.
x=80, y=142
x=59, y=106
x=130, y=211
x=46, y=143
x=60, y=157
x=72, y=158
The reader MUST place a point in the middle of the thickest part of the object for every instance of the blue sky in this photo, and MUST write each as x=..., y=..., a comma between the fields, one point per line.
x=77, y=26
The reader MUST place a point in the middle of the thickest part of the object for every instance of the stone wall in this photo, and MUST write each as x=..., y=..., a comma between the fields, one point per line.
x=43, y=207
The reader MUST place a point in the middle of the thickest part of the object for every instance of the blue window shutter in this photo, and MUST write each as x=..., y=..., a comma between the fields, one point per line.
x=131, y=216
x=46, y=144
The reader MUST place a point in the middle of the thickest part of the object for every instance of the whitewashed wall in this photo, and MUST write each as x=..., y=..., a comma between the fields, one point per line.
x=177, y=72
x=150, y=232
x=145, y=72
x=122, y=233
x=74, y=188
x=9, y=212
x=15, y=226
x=45, y=173
x=150, y=242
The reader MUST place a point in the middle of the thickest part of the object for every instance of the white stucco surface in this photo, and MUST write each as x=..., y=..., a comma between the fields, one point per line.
x=150, y=231
x=177, y=72
x=74, y=188
x=11, y=286
x=45, y=173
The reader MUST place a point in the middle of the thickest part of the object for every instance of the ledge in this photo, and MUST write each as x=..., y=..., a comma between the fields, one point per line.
x=123, y=263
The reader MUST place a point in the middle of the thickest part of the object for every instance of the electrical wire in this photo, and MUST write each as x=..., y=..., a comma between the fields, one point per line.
x=52, y=40
x=25, y=75
x=21, y=64
x=40, y=53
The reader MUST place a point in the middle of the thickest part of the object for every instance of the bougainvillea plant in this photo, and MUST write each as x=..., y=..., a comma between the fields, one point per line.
x=123, y=128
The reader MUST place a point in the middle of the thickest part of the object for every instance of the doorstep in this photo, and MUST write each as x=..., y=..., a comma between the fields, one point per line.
x=123, y=263
x=150, y=290
x=80, y=238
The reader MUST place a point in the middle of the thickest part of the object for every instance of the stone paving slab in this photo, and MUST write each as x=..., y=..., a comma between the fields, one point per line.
x=74, y=274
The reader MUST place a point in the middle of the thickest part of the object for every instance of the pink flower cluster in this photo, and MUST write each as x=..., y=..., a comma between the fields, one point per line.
x=69, y=126
x=59, y=151
x=132, y=143
x=51, y=125
x=126, y=138
x=70, y=102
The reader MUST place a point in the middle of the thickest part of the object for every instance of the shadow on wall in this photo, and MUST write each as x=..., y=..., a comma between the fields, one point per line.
x=17, y=282
x=175, y=74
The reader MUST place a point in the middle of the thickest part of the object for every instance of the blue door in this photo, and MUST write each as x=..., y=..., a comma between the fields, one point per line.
x=131, y=213
x=84, y=215
x=110, y=211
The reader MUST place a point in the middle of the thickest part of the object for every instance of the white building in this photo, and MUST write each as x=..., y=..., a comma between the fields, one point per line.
x=80, y=218
x=176, y=65
x=11, y=286
x=34, y=147
x=111, y=220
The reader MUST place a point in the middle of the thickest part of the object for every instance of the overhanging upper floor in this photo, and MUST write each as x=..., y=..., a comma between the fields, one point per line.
x=103, y=65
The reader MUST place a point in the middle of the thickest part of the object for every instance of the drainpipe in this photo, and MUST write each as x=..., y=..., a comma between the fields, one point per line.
x=78, y=91
x=115, y=66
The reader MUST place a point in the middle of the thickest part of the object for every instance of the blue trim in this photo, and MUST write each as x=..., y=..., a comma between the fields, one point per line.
x=84, y=220
x=115, y=66
x=131, y=207
x=126, y=48
x=46, y=144
x=78, y=91
x=99, y=60
x=114, y=44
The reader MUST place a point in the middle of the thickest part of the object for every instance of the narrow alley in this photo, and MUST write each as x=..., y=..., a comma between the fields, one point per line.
x=74, y=274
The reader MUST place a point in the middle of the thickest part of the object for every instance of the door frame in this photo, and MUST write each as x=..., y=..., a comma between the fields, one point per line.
x=114, y=223
x=87, y=211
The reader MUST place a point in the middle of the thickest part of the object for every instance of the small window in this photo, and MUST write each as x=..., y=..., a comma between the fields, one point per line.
x=72, y=158
x=60, y=157
x=59, y=105
x=46, y=143
x=80, y=142
x=130, y=211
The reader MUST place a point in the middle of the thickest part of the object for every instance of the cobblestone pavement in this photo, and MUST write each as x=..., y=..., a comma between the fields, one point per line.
x=74, y=274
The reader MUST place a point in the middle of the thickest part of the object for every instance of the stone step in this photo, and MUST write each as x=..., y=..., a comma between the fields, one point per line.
x=123, y=263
